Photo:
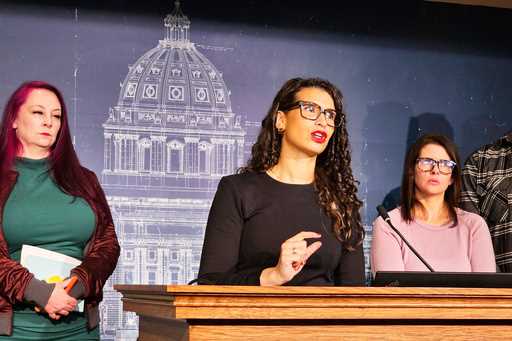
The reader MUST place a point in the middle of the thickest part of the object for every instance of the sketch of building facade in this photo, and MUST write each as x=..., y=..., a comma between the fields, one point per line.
x=167, y=142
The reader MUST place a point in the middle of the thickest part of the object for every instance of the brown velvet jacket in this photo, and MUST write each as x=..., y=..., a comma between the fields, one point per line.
x=17, y=284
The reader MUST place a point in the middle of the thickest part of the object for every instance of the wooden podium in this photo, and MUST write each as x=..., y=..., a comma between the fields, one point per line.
x=318, y=313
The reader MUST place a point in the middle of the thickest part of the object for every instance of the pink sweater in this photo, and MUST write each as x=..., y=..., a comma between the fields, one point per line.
x=466, y=247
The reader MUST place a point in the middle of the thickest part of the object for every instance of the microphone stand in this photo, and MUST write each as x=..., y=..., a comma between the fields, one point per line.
x=384, y=214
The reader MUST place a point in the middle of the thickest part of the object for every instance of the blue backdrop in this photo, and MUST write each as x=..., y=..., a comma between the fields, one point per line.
x=404, y=71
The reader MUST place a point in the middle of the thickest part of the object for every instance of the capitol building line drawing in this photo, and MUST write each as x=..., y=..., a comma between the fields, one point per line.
x=167, y=142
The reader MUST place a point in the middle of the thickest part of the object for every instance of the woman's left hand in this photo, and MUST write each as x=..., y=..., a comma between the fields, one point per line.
x=60, y=303
x=294, y=254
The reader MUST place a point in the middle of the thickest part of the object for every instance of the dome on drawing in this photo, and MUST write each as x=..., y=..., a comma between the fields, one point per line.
x=172, y=128
x=174, y=77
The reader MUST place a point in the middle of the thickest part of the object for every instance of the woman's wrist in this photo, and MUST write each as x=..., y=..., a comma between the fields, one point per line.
x=271, y=277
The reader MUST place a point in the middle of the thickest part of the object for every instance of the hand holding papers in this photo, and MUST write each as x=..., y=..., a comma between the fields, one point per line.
x=67, y=288
x=49, y=266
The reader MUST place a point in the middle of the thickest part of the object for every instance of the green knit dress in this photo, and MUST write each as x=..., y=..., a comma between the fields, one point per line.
x=38, y=213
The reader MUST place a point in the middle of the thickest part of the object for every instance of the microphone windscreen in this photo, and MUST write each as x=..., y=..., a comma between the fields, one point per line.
x=382, y=212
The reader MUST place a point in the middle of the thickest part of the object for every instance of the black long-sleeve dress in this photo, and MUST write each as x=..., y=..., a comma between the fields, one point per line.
x=252, y=215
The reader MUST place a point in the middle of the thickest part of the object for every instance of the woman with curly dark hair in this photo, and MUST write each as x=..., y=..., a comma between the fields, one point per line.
x=291, y=216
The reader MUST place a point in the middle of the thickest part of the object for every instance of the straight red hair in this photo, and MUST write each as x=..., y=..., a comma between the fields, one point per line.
x=64, y=165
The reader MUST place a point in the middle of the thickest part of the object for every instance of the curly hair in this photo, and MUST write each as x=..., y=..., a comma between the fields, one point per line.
x=334, y=183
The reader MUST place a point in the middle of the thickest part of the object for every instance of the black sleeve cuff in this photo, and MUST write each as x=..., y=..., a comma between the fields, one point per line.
x=248, y=277
x=78, y=290
x=38, y=292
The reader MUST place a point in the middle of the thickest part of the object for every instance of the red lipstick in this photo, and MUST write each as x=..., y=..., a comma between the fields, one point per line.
x=319, y=136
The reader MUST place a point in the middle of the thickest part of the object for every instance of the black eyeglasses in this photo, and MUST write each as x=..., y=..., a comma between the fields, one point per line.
x=427, y=164
x=312, y=111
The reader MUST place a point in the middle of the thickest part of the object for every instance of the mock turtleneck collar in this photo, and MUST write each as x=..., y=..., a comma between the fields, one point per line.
x=33, y=164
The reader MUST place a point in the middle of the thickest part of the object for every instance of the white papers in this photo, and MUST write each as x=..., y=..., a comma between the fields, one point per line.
x=48, y=265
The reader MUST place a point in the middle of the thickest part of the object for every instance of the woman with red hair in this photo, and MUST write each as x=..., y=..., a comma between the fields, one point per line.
x=48, y=200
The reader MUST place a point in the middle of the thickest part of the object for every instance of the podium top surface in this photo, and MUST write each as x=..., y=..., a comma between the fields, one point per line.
x=212, y=302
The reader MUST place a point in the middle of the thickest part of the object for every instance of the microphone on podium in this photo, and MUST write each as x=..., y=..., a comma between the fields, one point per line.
x=384, y=214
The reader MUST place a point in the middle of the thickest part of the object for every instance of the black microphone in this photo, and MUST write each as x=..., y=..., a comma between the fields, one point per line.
x=384, y=214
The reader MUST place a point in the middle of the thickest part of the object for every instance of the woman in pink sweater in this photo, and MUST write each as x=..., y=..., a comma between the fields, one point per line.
x=447, y=237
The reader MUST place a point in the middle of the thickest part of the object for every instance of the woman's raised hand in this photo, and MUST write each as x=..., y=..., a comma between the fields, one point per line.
x=294, y=254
